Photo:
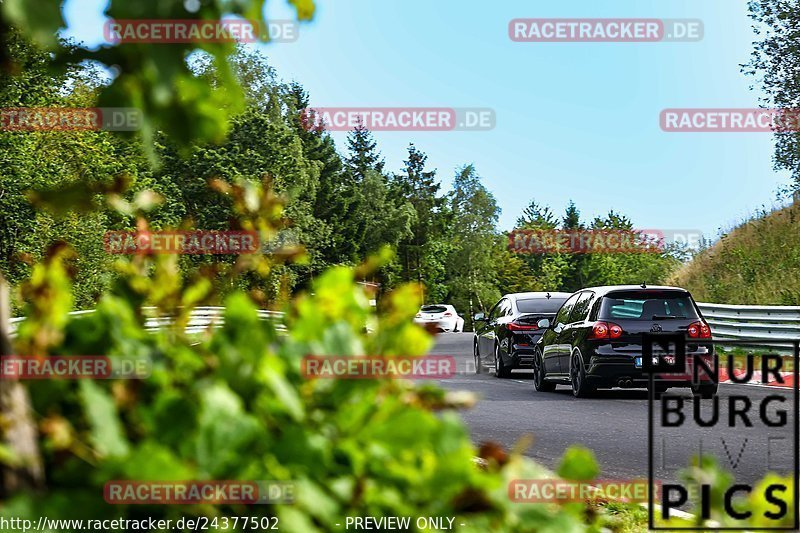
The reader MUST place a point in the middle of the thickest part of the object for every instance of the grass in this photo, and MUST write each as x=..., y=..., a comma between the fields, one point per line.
x=624, y=518
x=755, y=263
x=740, y=358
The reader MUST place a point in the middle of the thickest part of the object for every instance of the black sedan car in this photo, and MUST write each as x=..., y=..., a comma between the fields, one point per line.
x=595, y=340
x=504, y=339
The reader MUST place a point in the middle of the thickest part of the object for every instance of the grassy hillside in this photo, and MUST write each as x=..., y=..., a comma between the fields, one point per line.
x=755, y=263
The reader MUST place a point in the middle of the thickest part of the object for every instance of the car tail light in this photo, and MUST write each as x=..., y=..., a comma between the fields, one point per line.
x=448, y=314
x=516, y=326
x=699, y=330
x=419, y=315
x=605, y=330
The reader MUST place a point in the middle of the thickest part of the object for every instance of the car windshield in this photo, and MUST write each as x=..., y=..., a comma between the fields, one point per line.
x=647, y=305
x=433, y=309
x=540, y=305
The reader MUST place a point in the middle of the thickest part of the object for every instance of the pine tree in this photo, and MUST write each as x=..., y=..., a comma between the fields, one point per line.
x=574, y=278
x=572, y=217
x=419, y=187
x=378, y=219
x=335, y=201
x=364, y=155
x=536, y=217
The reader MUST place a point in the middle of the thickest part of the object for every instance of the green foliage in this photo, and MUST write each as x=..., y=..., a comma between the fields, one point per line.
x=342, y=208
x=775, y=62
x=754, y=263
x=706, y=470
x=160, y=84
x=236, y=406
x=419, y=186
x=74, y=164
x=536, y=217
x=233, y=403
x=573, y=271
x=471, y=264
x=579, y=464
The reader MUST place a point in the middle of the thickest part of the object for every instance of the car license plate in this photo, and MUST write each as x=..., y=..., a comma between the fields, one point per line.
x=637, y=361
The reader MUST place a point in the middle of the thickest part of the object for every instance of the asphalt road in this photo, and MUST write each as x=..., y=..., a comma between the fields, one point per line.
x=614, y=423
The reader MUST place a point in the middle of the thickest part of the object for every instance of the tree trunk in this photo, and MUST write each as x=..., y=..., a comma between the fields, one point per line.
x=17, y=428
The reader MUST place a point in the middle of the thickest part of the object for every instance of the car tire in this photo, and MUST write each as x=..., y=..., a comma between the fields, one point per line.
x=577, y=377
x=476, y=357
x=706, y=391
x=538, y=374
x=500, y=369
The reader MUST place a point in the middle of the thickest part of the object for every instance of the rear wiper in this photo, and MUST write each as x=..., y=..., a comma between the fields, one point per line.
x=665, y=317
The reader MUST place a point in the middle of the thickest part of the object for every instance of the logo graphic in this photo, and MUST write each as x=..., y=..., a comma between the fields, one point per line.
x=745, y=428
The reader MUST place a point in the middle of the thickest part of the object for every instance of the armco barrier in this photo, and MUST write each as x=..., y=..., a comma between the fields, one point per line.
x=200, y=319
x=735, y=322
x=756, y=323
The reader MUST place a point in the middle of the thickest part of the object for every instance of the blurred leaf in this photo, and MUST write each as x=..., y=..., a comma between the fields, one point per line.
x=578, y=463
x=225, y=432
x=107, y=435
x=42, y=18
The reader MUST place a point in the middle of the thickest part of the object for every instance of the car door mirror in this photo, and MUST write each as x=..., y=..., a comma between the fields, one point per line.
x=543, y=324
x=479, y=317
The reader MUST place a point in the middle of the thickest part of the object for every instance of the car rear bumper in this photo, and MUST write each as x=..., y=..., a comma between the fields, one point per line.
x=606, y=371
x=522, y=354
x=445, y=325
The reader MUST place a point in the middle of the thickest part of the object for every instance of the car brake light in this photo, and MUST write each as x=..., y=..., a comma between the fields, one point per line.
x=448, y=314
x=516, y=326
x=419, y=315
x=605, y=330
x=699, y=330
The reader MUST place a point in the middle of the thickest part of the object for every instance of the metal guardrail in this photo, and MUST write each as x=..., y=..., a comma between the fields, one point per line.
x=757, y=323
x=776, y=324
x=200, y=319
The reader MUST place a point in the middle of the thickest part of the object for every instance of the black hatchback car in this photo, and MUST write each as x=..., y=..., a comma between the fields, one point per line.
x=504, y=339
x=595, y=340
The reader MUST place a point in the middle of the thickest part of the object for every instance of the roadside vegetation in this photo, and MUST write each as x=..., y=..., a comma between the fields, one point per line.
x=758, y=261
x=233, y=403
x=226, y=150
x=755, y=263
x=341, y=207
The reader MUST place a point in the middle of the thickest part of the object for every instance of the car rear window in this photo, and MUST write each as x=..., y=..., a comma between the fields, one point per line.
x=644, y=305
x=540, y=305
x=433, y=308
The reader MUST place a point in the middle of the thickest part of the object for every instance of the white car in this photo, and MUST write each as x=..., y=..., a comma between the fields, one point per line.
x=439, y=316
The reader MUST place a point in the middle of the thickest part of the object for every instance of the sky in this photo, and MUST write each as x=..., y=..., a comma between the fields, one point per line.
x=574, y=121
